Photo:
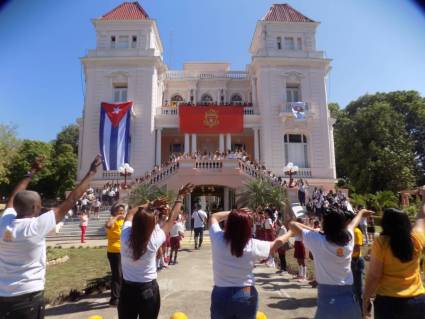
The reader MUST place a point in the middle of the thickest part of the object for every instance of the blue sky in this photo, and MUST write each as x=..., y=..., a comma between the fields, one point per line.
x=376, y=45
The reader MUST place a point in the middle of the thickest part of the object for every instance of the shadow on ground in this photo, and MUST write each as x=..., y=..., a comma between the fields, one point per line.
x=81, y=306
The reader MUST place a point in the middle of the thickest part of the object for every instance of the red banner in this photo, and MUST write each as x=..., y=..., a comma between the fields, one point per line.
x=211, y=119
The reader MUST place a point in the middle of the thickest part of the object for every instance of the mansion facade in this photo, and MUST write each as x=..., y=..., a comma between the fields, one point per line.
x=282, y=94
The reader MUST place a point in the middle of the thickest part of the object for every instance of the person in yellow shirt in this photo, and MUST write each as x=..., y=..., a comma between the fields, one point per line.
x=113, y=233
x=394, y=271
x=357, y=261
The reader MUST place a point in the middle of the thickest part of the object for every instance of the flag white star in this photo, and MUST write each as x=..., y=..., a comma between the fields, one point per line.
x=116, y=110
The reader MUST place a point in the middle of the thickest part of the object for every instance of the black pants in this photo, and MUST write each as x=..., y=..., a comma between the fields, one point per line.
x=139, y=300
x=357, y=268
x=28, y=306
x=115, y=263
x=282, y=258
x=199, y=233
x=399, y=308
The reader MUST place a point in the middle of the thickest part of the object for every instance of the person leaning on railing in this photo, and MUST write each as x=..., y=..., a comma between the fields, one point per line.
x=394, y=271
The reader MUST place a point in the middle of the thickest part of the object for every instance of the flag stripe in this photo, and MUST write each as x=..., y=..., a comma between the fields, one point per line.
x=106, y=139
x=127, y=138
x=101, y=134
x=113, y=148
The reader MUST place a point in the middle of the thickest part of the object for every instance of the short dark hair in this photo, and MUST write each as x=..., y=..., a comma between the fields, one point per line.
x=24, y=202
x=335, y=227
x=115, y=207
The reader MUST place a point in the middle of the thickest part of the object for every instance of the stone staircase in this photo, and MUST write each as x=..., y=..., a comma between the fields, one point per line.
x=71, y=228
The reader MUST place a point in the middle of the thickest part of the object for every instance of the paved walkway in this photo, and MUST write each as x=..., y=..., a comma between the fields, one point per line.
x=187, y=287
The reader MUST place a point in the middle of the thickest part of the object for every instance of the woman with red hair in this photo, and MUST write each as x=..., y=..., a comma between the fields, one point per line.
x=141, y=237
x=234, y=253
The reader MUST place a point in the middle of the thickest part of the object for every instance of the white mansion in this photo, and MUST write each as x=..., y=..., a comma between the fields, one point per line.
x=282, y=94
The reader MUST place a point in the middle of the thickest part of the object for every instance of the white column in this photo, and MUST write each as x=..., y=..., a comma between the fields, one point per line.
x=221, y=143
x=256, y=145
x=188, y=209
x=226, y=199
x=194, y=146
x=187, y=143
x=228, y=142
x=158, y=146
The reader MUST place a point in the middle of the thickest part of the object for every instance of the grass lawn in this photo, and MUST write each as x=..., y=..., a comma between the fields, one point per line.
x=84, y=264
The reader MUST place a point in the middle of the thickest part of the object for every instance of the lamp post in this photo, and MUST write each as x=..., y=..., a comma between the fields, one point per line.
x=126, y=170
x=291, y=170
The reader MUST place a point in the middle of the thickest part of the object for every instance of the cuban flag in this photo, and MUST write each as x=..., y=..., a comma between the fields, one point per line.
x=114, y=134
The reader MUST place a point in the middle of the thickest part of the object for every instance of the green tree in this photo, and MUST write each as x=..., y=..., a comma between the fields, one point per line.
x=374, y=150
x=9, y=145
x=22, y=162
x=410, y=106
x=64, y=169
x=69, y=135
x=259, y=192
x=146, y=192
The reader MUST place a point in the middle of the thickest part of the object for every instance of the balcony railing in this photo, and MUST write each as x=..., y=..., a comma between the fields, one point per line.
x=295, y=110
x=180, y=75
x=296, y=106
x=174, y=111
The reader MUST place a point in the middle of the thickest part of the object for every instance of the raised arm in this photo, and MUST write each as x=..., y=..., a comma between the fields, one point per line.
x=279, y=241
x=373, y=276
x=420, y=220
x=23, y=183
x=219, y=217
x=69, y=202
x=172, y=215
x=356, y=220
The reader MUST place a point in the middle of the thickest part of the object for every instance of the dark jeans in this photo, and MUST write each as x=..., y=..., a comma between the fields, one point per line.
x=282, y=258
x=116, y=272
x=199, y=233
x=139, y=300
x=357, y=267
x=301, y=198
x=399, y=308
x=28, y=306
x=234, y=303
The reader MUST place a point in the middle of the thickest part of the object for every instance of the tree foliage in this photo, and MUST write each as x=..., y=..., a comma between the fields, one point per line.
x=262, y=193
x=60, y=164
x=69, y=135
x=379, y=141
x=9, y=145
x=146, y=192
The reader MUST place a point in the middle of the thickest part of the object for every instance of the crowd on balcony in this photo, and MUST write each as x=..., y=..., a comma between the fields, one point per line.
x=247, y=164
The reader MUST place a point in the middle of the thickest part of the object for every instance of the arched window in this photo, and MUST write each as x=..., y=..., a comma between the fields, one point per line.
x=279, y=43
x=176, y=100
x=206, y=98
x=236, y=99
x=296, y=150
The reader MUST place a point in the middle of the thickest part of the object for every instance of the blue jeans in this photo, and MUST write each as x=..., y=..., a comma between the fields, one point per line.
x=234, y=302
x=399, y=308
x=336, y=302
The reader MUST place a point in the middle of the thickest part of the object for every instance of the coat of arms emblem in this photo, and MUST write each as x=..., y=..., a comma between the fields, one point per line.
x=211, y=118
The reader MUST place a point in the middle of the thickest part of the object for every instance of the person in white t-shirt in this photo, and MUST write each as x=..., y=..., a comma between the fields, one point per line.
x=141, y=237
x=199, y=219
x=176, y=235
x=332, y=250
x=23, y=248
x=234, y=253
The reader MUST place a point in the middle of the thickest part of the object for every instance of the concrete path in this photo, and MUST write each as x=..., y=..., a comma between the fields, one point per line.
x=187, y=287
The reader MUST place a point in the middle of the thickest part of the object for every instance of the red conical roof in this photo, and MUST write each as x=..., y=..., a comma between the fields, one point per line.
x=285, y=13
x=127, y=11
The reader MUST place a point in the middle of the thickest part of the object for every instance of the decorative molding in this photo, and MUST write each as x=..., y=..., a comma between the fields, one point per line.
x=293, y=76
